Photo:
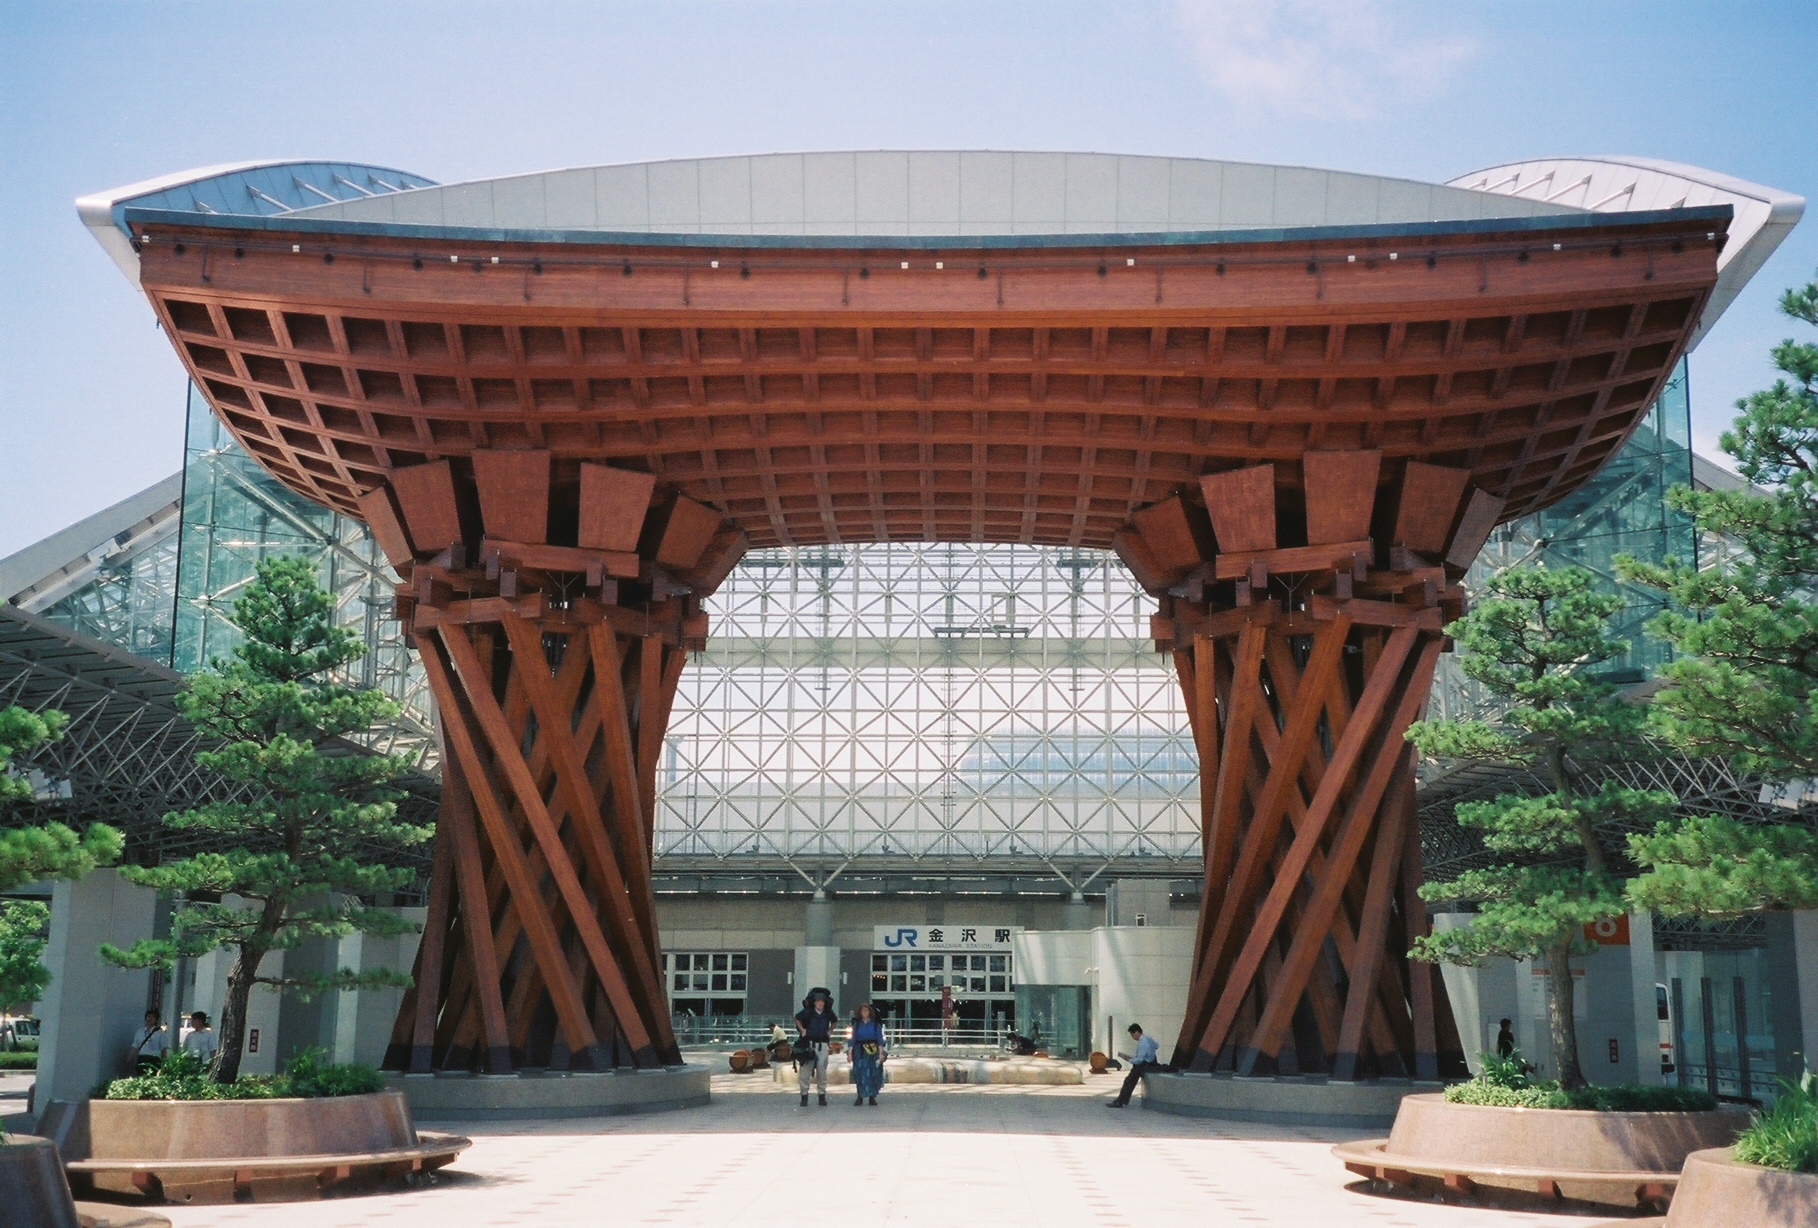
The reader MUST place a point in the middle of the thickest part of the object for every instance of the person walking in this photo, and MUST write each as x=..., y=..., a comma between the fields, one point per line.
x=869, y=1046
x=150, y=1044
x=814, y=1025
x=1142, y=1061
x=201, y=1040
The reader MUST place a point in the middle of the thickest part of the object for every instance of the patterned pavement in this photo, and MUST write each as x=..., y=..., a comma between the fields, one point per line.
x=927, y=1155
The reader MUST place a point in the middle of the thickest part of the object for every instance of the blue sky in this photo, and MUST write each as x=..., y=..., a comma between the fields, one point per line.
x=94, y=95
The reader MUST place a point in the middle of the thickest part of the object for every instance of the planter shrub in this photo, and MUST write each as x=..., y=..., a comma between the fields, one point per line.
x=1504, y=1083
x=1785, y=1136
x=23, y=1060
x=183, y=1076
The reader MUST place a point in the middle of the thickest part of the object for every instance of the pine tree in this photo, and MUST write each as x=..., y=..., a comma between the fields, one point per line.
x=1536, y=642
x=48, y=850
x=1746, y=686
x=303, y=856
x=22, y=974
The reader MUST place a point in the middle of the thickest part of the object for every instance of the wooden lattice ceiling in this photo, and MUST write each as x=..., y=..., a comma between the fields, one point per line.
x=1022, y=394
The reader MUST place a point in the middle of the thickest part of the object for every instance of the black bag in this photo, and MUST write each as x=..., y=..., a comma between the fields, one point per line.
x=802, y=1052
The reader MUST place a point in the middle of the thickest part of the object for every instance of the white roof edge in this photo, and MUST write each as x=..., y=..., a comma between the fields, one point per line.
x=1785, y=204
x=29, y=567
x=96, y=209
x=1753, y=237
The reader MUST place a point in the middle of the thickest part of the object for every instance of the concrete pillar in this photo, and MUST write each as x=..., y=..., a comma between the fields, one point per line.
x=1805, y=949
x=262, y=1007
x=817, y=960
x=1080, y=915
x=818, y=926
x=817, y=965
x=362, y=1019
x=92, y=1008
x=1642, y=976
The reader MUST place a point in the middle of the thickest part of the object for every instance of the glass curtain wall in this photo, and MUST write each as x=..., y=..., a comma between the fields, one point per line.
x=948, y=700
x=1621, y=511
x=234, y=515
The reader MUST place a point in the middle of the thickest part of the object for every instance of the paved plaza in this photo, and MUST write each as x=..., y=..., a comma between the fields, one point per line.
x=927, y=1155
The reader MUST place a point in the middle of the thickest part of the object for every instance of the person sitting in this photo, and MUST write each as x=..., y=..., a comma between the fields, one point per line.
x=1141, y=1063
x=150, y=1044
x=869, y=1045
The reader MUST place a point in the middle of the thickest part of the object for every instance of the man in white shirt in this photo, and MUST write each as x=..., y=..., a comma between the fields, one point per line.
x=150, y=1044
x=201, y=1039
x=1142, y=1062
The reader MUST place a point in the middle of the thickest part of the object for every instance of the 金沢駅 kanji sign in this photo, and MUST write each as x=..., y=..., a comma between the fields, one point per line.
x=943, y=937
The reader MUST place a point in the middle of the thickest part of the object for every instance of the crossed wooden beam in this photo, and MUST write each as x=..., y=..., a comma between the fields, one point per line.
x=1304, y=605
x=553, y=604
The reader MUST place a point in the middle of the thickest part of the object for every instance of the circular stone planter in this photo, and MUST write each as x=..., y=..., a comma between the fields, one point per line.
x=202, y=1151
x=1715, y=1188
x=35, y=1194
x=542, y=1096
x=1621, y=1159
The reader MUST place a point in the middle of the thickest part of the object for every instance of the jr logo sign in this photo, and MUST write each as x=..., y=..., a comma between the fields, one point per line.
x=905, y=937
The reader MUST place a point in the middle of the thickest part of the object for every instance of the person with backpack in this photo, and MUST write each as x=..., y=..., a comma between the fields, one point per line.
x=814, y=1029
x=869, y=1045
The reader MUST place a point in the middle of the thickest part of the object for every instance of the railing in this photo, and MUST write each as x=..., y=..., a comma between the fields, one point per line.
x=735, y=1032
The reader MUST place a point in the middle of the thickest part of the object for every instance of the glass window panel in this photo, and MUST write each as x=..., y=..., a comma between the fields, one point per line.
x=738, y=962
x=918, y=983
x=998, y=963
x=918, y=963
x=879, y=981
x=978, y=963
x=978, y=984
x=719, y=982
x=700, y=961
x=738, y=982
x=899, y=983
x=719, y=962
x=937, y=963
x=899, y=963
x=880, y=963
x=700, y=980
x=936, y=981
x=997, y=985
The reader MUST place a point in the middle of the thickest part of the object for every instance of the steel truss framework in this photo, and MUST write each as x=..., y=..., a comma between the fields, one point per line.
x=948, y=709
x=127, y=756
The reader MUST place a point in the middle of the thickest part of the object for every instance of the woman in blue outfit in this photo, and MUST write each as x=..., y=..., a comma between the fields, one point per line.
x=869, y=1046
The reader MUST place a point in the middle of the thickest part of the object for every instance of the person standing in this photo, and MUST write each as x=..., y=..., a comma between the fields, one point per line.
x=814, y=1024
x=869, y=1046
x=1142, y=1061
x=150, y=1044
x=201, y=1040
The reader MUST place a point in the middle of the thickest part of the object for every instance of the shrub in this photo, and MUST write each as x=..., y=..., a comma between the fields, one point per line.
x=1785, y=1136
x=309, y=1076
x=22, y=1060
x=1504, y=1084
x=184, y=1076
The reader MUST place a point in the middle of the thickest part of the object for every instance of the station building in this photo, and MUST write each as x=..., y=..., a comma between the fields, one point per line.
x=950, y=777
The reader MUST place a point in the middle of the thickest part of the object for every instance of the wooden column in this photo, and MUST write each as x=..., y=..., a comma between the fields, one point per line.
x=554, y=607
x=1304, y=605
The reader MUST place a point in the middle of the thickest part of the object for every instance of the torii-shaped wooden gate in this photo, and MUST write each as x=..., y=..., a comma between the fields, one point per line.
x=1297, y=442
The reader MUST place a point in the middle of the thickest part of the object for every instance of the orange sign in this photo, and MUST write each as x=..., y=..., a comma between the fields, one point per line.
x=1609, y=931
